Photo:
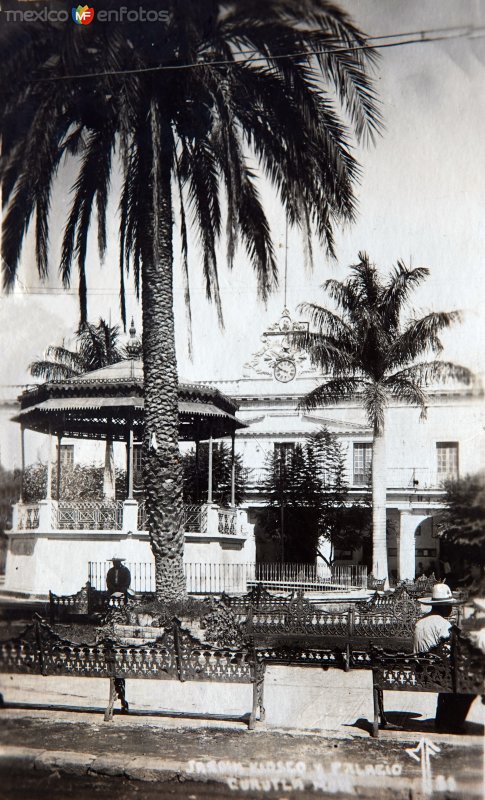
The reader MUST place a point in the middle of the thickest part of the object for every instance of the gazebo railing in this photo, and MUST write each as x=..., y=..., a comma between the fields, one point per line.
x=28, y=516
x=227, y=521
x=97, y=516
x=194, y=520
x=117, y=515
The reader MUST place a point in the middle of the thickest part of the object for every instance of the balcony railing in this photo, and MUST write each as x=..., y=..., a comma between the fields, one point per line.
x=240, y=578
x=416, y=478
x=95, y=515
x=396, y=478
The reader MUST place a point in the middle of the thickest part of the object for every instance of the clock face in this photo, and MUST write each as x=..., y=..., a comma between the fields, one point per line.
x=285, y=370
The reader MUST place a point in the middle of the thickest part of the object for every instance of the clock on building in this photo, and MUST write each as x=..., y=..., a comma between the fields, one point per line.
x=285, y=370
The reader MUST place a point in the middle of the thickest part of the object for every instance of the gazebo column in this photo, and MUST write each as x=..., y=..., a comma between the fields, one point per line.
x=45, y=506
x=48, y=490
x=197, y=474
x=58, y=471
x=16, y=513
x=209, y=476
x=233, y=469
x=22, y=464
x=129, y=462
x=212, y=509
x=130, y=506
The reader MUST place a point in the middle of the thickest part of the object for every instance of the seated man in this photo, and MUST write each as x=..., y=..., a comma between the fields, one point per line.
x=118, y=578
x=451, y=709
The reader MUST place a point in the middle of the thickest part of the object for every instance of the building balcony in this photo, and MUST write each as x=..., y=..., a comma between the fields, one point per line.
x=400, y=479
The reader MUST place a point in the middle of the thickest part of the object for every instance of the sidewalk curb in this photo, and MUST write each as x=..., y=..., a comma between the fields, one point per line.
x=151, y=769
x=70, y=762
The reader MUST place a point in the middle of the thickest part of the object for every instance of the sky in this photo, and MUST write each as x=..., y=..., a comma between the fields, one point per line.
x=421, y=199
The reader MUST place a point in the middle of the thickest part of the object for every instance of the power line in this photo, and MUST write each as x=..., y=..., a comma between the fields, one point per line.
x=422, y=37
x=27, y=290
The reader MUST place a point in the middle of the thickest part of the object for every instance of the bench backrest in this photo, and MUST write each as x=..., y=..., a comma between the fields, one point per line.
x=380, y=618
x=452, y=666
x=177, y=654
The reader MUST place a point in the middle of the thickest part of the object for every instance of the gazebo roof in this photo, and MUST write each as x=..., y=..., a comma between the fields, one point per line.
x=107, y=400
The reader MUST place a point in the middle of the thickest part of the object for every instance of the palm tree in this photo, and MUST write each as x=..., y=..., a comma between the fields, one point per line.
x=371, y=352
x=182, y=108
x=97, y=346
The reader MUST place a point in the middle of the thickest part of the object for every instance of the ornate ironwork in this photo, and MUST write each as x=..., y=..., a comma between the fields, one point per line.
x=258, y=597
x=381, y=618
x=88, y=601
x=96, y=516
x=194, y=518
x=301, y=654
x=375, y=583
x=227, y=521
x=28, y=517
x=453, y=666
x=66, y=605
x=419, y=587
x=176, y=655
x=221, y=624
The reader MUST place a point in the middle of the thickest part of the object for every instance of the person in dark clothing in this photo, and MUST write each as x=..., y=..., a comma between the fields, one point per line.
x=118, y=578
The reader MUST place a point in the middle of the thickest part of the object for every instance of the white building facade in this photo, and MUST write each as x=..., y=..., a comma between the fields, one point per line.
x=421, y=454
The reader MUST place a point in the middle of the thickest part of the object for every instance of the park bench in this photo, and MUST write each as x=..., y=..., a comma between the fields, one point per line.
x=376, y=584
x=296, y=624
x=91, y=602
x=420, y=586
x=454, y=666
x=87, y=603
x=175, y=655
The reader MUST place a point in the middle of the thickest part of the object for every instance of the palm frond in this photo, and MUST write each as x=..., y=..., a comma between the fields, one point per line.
x=397, y=290
x=375, y=399
x=185, y=261
x=332, y=391
x=426, y=373
x=403, y=386
x=327, y=322
x=51, y=370
x=419, y=337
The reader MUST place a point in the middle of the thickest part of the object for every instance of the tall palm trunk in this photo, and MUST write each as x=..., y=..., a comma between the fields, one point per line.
x=379, y=541
x=162, y=465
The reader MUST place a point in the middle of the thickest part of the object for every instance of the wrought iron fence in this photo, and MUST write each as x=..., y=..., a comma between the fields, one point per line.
x=28, y=517
x=240, y=578
x=312, y=577
x=194, y=519
x=95, y=515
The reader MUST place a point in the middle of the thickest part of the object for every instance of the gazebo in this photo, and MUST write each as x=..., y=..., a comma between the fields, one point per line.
x=107, y=404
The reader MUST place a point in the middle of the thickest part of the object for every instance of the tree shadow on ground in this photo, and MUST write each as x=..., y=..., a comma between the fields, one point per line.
x=412, y=722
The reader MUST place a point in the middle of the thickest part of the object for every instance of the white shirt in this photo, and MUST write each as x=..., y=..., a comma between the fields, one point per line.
x=429, y=631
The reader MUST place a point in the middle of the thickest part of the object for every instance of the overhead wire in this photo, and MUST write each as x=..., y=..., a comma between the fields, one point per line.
x=420, y=37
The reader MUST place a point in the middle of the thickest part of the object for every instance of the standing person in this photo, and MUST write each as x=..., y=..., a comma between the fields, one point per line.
x=430, y=630
x=444, y=569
